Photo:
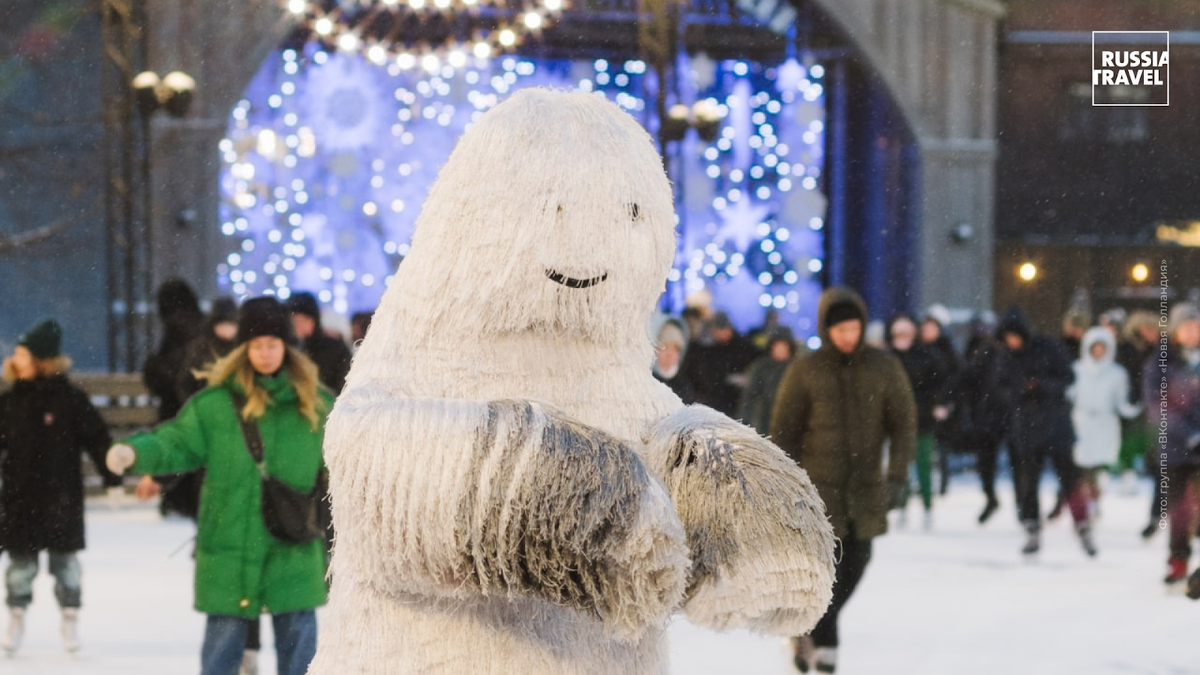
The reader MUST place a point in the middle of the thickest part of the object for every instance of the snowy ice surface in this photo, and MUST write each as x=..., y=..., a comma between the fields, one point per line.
x=958, y=600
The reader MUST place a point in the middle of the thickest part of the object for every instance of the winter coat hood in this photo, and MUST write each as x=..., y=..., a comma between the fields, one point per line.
x=1014, y=321
x=1094, y=335
x=838, y=295
x=896, y=318
x=174, y=297
x=657, y=323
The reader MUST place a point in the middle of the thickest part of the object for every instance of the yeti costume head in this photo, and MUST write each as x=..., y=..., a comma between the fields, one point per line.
x=553, y=216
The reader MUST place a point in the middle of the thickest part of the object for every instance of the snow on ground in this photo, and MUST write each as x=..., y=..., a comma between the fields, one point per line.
x=958, y=600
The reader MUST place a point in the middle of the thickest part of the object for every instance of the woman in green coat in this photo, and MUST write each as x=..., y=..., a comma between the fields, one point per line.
x=241, y=570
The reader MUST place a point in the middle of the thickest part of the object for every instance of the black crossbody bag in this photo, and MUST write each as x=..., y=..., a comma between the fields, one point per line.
x=291, y=516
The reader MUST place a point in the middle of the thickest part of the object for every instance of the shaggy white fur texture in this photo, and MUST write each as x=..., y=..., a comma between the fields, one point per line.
x=512, y=490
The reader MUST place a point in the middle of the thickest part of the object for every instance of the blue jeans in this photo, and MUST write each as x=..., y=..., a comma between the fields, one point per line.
x=23, y=567
x=225, y=640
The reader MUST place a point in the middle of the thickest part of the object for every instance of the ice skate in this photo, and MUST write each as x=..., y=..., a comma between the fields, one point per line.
x=1149, y=531
x=825, y=659
x=802, y=652
x=249, y=662
x=1033, y=539
x=16, y=630
x=1193, y=585
x=927, y=521
x=988, y=511
x=1176, y=571
x=70, y=629
x=1085, y=538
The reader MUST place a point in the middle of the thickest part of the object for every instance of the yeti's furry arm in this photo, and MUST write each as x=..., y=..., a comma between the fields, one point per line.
x=761, y=546
x=454, y=497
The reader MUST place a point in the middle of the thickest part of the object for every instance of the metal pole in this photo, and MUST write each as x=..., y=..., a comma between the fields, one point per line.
x=141, y=17
x=110, y=194
x=147, y=230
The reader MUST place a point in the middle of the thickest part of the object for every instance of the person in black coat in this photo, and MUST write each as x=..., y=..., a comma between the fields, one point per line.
x=716, y=365
x=1038, y=375
x=763, y=378
x=928, y=373
x=181, y=492
x=331, y=355
x=182, y=321
x=978, y=413
x=45, y=423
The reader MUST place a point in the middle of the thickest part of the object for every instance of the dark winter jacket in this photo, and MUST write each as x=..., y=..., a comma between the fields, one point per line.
x=164, y=368
x=709, y=367
x=1171, y=394
x=1133, y=357
x=927, y=371
x=44, y=425
x=1037, y=377
x=762, y=384
x=331, y=355
x=980, y=399
x=834, y=412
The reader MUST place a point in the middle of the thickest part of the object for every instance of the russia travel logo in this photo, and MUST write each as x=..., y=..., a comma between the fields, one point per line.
x=1131, y=68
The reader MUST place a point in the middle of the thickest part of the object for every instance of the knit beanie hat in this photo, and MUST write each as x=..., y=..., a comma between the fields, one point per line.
x=304, y=303
x=1181, y=313
x=44, y=340
x=842, y=311
x=262, y=317
x=223, y=310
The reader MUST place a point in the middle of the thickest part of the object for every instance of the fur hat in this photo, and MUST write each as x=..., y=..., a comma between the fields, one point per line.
x=1180, y=314
x=44, y=340
x=262, y=317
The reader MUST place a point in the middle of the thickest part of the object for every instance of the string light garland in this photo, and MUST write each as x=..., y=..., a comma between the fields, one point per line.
x=406, y=31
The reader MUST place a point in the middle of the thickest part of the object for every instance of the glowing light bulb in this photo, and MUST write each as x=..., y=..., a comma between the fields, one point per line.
x=507, y=37
x=323, y=26
x=533, y=20
x=297, y=6
x=482, y=50
x=1027, y=271
x=347, y=42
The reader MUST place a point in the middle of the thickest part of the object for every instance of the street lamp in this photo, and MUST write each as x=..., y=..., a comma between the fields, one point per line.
x=173, y=93
x=1028, y=271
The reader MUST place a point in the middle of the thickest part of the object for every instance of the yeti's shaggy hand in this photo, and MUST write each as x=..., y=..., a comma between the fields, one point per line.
x=452, y=498
x=761, y=546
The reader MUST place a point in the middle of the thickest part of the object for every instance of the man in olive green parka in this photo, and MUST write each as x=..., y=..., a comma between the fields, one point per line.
x=836, y=409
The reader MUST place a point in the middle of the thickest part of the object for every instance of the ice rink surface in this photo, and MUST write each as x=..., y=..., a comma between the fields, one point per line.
x=956, y=600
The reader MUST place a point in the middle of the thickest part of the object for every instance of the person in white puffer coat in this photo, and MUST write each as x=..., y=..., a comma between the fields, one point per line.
x=513, y=492
x=1099, y=398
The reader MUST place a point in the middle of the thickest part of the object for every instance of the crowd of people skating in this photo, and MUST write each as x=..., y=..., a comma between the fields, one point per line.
x=877, y=408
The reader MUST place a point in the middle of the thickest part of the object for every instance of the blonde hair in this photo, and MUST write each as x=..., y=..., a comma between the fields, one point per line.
x=55, y=365
x=301, y=371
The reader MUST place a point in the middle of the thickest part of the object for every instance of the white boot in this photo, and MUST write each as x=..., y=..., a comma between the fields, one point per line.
x=16, y=630
x=70, y=629
x=249, y=662
x=825, y=659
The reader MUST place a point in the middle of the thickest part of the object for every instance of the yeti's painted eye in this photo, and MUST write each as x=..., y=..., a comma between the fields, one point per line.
x=635, y=212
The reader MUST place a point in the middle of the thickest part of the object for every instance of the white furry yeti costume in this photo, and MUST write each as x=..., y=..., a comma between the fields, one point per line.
x=513, y=491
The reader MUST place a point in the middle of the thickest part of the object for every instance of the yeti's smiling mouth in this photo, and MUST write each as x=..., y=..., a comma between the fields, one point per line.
x=572, y=282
